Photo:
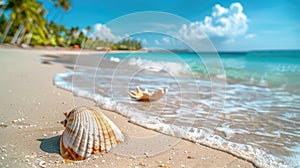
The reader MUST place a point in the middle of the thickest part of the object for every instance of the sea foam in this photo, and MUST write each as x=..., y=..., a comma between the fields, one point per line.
x=259, y=121
x=198, y=135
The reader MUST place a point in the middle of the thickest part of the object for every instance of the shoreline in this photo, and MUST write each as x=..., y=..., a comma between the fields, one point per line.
x=62, y=50
x=32, y=107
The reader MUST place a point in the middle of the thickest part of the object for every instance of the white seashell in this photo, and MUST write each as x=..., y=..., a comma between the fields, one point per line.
x=42, y=163
x=87, y=131
x=140, y=95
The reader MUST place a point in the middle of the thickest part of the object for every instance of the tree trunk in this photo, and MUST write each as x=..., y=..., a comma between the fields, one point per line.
x=29, y=38
x=21, y=37
x=49, y=38
x=6, y=31
x=14, y=39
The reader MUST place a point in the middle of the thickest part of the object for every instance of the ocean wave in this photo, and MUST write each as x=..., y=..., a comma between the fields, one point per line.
x=259, y=121
x=198, y=135
x=114, y=59
x=155, y=66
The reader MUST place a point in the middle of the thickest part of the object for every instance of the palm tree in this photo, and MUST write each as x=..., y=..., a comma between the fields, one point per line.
x=28, y=14
x=3, y=6
x=6, y=31
x=88, y=29
x=74, y=35
x=57, y=35
x=2, y=22
x=64, y=4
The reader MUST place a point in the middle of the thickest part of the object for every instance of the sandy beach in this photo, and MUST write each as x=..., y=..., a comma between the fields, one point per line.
x=32, y=107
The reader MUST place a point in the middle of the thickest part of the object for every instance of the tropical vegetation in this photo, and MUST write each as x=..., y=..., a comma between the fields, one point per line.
x=127, y=44
x=23, y=22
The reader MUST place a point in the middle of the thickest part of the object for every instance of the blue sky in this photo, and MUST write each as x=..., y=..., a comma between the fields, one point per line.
x=230, y=25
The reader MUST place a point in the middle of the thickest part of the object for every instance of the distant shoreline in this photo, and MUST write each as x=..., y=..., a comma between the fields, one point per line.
x=50, y=48
x=87, y=51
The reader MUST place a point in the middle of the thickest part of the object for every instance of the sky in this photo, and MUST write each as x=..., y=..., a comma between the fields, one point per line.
x=228, y=25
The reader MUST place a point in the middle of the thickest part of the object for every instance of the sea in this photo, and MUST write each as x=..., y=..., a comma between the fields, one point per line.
x=243, y=103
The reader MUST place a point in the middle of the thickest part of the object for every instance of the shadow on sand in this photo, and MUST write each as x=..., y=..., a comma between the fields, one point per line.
x=50, y=145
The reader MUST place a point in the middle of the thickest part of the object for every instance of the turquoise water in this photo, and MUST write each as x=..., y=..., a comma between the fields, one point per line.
x=272, y=68
x=248, y=106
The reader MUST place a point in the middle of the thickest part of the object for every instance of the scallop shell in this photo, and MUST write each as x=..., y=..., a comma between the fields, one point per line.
x=145, y=95
x=87, y=131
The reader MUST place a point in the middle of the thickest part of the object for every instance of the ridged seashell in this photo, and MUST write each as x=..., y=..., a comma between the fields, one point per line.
x=140, y=95
x=87, y=131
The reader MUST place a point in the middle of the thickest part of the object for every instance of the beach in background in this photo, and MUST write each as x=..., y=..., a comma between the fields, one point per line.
x=32, y=107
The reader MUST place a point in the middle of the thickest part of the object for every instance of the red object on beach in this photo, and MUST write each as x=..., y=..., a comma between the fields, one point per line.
x=76, y=46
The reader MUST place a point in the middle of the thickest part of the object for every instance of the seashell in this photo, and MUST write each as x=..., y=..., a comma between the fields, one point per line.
x=140, y=95
x=87, y=131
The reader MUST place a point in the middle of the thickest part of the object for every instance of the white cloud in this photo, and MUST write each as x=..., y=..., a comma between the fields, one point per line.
x=249, y=36
x=224, y=25
x=191, y=32
x=103, y=32
x=84, y=31
x=161, y=25
x=166, y=40
x=144, y=42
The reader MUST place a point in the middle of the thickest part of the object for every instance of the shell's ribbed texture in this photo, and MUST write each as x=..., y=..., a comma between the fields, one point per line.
x=87, y=132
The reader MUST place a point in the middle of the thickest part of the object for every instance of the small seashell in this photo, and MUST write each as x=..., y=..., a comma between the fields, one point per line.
x=42, y=163
x=145, y=95
x=2, y=125
x=142, y=164
x=164, y=166
x=87, y=131
x=190, y=157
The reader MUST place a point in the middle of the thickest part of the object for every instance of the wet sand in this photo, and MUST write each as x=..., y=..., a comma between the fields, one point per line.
x=32, y=107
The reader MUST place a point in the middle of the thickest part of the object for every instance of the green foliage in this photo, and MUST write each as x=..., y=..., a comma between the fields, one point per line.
x=96, y=44
x=65, y=4
x=3, y=22
x=28, y=16
x=57, y=35
x=127, y=44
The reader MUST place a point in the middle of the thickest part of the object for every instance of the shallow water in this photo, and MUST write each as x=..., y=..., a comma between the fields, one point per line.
x=251, y=109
